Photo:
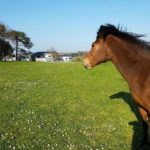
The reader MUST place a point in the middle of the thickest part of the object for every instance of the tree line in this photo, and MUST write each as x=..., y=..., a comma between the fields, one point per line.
x=11, y=40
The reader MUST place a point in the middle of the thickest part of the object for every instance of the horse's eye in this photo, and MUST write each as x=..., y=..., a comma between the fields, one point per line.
x=92, y=45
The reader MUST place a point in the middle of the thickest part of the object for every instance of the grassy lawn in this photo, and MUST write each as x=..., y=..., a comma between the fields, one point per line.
x=62, y=106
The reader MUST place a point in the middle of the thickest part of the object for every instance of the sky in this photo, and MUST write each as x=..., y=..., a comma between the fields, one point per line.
x=71, y=25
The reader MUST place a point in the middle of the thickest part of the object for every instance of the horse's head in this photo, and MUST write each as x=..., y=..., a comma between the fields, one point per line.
x=97, y=54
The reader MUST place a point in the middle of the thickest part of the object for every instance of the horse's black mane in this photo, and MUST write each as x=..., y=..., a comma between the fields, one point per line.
x=118, y=32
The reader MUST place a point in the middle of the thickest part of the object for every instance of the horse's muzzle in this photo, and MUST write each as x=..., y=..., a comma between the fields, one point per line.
x=87, y=64
x=87, y=67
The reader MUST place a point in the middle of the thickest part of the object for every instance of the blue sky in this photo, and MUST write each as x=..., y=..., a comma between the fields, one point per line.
x=71, y=25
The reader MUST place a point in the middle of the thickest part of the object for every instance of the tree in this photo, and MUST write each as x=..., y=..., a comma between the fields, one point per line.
x=3, y=31
x=19, y=39
x=55, y=54
x=5, y=49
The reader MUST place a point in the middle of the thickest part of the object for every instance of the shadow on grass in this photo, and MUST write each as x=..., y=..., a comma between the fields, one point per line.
x=136, y=125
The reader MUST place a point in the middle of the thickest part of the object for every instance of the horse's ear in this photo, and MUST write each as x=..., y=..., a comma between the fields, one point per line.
x=102, y=31
x=102, y=28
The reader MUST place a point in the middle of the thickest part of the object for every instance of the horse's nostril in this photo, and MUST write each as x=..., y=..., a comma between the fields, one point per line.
x=85, y=66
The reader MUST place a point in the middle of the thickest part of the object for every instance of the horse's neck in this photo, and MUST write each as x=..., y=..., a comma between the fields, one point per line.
x=126, y=58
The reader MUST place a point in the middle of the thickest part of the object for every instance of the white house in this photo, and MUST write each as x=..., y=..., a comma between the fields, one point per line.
x=66, y=58
x=43, y=57
x=23, y=55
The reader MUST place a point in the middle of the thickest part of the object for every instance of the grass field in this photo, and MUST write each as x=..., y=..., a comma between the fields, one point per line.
x=62, y=106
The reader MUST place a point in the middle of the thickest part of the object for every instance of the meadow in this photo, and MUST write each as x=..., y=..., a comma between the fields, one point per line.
x=62, y=106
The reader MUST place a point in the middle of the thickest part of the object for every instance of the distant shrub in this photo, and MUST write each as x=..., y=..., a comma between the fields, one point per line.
x=77, y=59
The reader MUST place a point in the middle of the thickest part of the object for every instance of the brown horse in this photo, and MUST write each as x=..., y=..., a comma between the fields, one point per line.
x=131, y=56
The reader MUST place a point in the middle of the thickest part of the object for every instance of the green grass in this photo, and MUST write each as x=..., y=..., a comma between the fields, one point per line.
x=63, y=106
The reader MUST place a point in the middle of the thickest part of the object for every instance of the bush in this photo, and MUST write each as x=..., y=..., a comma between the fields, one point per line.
x=77, y=59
